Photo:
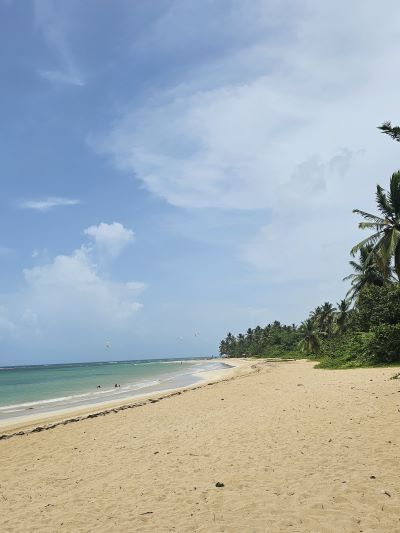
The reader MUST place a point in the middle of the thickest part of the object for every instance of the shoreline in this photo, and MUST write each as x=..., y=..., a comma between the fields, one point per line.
x=277, y=446
x=37, y=422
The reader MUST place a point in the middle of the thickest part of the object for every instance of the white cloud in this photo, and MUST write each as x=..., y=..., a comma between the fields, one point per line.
x=53, y=20
x=48, y=203
x=289, y=127
x=110, y=238
x=68, y=305
x=71, y=283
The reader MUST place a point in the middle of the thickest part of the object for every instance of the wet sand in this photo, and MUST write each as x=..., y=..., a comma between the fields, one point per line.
x=297, y=449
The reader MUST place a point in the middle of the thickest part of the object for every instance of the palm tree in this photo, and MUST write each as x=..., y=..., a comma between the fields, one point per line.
x=342, y=315
x=249, y=335
x=392, y=131
x=315, y=316
x=257, y=331
x=386, y=237
x=309, y=341
x=367, y=272
x=323, y=318
x=223, y=347
x=241, y=343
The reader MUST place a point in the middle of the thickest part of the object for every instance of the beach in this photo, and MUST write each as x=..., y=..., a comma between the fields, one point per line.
x=295, y=448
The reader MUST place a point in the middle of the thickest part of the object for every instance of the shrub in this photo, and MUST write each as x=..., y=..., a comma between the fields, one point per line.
x=378, y=305
x=384, y=347
x=349, y=346
x=343, y=361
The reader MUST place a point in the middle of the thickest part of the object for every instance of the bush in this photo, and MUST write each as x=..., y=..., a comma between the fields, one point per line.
x=377, y=306
x=347, y=346
x=384, y=347
x=343, y=361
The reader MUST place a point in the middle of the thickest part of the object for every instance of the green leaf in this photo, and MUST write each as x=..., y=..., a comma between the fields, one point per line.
x=369, y=216
x=383, y=202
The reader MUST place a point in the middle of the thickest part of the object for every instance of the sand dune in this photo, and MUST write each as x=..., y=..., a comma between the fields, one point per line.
x=297, y=449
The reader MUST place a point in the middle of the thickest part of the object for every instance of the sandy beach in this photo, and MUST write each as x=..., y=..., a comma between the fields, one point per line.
x=297, y=449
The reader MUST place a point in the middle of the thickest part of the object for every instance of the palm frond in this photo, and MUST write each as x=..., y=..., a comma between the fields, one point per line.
x=392, y=131
x=383, y=202
x=351, y=293
x=369, y=216
x=356, y=266
x=373, y=225
x=371, y=240
x=350, y=276
x=389, y=243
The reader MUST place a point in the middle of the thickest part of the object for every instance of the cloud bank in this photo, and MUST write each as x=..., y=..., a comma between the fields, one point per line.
x=283, y=119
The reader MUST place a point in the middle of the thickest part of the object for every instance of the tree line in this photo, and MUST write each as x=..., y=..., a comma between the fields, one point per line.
x=364, y=327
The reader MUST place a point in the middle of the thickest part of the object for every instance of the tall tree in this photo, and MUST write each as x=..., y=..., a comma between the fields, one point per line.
x=342, y=315
x=241, y=344
x=323, y=318
x=368, y=271
x=385, y=240
x=315, y=316
x=327, y=318
x=309, y=337
x=249, y=335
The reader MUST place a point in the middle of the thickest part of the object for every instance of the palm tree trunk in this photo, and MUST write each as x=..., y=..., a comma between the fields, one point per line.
x=397, y=260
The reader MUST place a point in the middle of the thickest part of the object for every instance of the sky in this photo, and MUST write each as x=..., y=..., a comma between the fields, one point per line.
x=177, y=169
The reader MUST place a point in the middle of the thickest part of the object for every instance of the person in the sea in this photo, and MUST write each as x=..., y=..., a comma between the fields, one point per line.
x=98, y=387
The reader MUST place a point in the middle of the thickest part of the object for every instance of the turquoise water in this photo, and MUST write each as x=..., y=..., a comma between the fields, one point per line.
x=41, y=388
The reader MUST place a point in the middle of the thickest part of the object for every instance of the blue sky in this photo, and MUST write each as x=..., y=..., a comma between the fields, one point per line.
x=178, y=167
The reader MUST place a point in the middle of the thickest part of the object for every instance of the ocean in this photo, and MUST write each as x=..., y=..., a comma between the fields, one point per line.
x=38, y=389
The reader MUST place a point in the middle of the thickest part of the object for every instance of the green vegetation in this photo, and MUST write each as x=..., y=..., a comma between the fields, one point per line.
x=364, y=328
x=275, y=340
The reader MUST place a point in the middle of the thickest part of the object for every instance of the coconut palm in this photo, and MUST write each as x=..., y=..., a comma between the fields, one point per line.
x=324, y=318
x=342, y=315
x=223, y=347
x=367, y=272
x=241, y=343
x=249, y=335
x=309, y=341
x=315, y=316
x=385, y=240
